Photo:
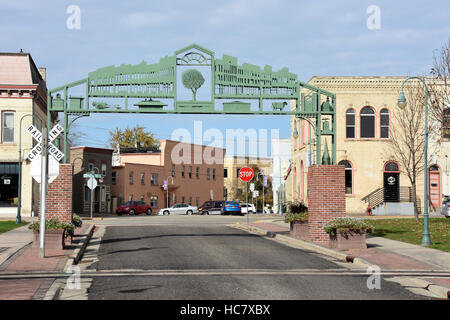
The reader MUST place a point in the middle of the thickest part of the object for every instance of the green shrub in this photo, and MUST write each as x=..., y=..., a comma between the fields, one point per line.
x=297, y=207
x=76, y=221
x=54, y=224
x=296, y=217
x=347, y=225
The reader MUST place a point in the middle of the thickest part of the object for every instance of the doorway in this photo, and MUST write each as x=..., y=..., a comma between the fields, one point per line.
x=391, y=182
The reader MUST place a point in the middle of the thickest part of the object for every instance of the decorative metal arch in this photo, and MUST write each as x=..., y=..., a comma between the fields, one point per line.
x=231, y=83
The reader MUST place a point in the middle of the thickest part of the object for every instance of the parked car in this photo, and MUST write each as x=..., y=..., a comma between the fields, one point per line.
x=231, y=207
x=134, y=207
x=446, y=207
x=180, y=208
x=247, y=206
x=211, y=207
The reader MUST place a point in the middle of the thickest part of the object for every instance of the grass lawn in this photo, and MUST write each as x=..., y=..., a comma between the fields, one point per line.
x=9, y=225
x=407, y=230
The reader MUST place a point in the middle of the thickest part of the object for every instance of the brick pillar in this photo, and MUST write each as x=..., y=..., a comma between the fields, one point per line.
x=59, y=195
x=326, y=187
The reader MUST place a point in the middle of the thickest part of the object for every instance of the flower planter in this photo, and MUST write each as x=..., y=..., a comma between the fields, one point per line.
x=355, y=239
x=54, y=239
x=300, y=230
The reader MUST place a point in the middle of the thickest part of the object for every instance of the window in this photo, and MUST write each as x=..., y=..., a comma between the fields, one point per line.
x=154, y=179
x=190, y=201
x=197, y=201
x=384, y=123
x=207, y=173
x=114, y=177
x=367, y=122
x=130, y=197
x=237, y=172
x=174, y=198
x=8, y=127
x=173, y=170
x=103, y=169
x=391, y=166
x=225, y=173
x=350, y=123
x=190, y=172
x=87, y=194
x=182, y=171
x=153, y=201
x=130, y=177
x=142, y=178
x=182, y=199
x=142, y=200
x=214, y=174
x=446, y=124
x=197, y=172
x=91, y=166
x=348, y=176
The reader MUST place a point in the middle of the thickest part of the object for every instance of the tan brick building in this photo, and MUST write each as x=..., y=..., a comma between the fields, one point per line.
x=23, y=92
x=366, y=109
x=194, y=174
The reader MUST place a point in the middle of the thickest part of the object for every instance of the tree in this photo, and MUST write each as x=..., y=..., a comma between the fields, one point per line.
x=258, y=181
x=407, y=139
x=132, y=138
x=439, y=88
x=192, y=79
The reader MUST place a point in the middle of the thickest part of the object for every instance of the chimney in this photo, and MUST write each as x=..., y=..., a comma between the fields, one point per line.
x=43, y=72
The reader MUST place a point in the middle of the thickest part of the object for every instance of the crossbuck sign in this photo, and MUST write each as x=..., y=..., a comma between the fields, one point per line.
x=52, y=150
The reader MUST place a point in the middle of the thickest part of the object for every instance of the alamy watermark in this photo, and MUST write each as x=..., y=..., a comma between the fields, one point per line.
x=373, y=22
x=374, y=280
x=74, y=20
x=74, y=280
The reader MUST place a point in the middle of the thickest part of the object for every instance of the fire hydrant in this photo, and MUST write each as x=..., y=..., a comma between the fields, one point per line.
x=369, y=211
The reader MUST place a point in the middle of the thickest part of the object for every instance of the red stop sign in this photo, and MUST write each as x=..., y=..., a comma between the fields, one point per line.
x=246, y=174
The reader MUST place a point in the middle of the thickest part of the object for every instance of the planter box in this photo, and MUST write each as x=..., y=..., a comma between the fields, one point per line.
x=54, y=239
x=351, y=240
x=300, y=230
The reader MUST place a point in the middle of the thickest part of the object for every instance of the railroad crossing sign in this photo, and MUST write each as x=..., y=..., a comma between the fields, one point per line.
x=35, y=155
x=52, y=150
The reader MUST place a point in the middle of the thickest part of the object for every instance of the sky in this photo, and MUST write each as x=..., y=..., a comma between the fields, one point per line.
x=311, y=38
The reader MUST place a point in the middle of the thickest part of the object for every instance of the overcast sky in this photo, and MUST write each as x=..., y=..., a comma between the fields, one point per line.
x=322, y=38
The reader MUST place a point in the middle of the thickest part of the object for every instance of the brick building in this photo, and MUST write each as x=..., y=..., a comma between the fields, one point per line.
x=97, y=160
x=194, y=174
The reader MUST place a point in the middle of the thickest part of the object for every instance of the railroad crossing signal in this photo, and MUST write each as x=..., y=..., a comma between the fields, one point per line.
x=52, y=150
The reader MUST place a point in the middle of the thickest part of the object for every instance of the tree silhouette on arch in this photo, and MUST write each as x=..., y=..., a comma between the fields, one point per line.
x=192, y=79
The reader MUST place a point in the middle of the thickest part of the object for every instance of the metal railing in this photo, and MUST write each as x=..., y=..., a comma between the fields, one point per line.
x=377, y=197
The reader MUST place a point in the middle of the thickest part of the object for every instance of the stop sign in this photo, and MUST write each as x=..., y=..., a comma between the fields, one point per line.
x=246, y=174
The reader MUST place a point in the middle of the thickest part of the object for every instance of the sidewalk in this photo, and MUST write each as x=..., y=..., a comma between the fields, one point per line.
x=20, y=256
x=385, y=253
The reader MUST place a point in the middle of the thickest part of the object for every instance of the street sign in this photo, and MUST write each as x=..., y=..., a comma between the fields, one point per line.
x=246, y=174
x=255, y=193
x=35, y=169
x=52, y=149
x=252, y=187
x=165, y=185
x=91, y=175
x=265, y=181
x=92, y=183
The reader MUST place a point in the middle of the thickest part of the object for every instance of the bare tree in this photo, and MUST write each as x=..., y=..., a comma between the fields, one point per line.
x=407, y=139
x=439, y=87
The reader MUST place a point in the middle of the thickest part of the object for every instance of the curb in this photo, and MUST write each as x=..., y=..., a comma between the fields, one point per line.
x=78, y=252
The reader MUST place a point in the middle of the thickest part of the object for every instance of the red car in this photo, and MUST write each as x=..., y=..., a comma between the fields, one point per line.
x=134, y=207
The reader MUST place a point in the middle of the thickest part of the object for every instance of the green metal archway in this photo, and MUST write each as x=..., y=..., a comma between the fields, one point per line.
x=229, y=82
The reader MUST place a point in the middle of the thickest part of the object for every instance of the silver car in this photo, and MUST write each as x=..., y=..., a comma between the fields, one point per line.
x=180, y=208
x=446, y=207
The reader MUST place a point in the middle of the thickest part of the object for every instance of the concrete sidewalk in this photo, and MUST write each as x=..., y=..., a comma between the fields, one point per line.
x=384, y=253
x=20, y=256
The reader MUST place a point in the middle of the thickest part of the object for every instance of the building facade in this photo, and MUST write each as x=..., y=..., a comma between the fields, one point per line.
x=23, y=101
x=366, y=115
x=194, y=174
x=234, y=188
x=281, y=160
x=96, y=160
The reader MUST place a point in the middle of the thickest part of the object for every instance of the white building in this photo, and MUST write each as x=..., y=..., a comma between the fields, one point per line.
x=281, y=157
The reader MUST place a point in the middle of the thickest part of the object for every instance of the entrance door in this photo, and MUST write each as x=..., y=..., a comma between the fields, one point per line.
x=391, y=182
x=435, y=186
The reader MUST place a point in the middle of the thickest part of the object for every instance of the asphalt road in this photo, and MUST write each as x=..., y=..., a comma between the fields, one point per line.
x=212, y=261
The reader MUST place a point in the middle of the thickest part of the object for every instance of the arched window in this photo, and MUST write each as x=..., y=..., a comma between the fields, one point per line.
x=446, y=124
x=367, y=122
x=384, y=123
x=350, y=123
x=391, y=166
x=348, y=176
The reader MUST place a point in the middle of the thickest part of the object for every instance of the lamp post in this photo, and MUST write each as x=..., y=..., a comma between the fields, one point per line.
x=426, y=241
x=19, y=190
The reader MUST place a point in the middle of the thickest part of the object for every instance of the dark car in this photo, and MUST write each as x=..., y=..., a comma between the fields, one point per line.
x=134, y=207
x=211, y=207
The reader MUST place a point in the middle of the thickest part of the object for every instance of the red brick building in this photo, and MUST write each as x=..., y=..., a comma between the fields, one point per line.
x=194, y=174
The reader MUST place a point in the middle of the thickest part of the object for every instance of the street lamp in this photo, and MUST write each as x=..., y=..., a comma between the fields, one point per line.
x=426, y=241
x=19, y=191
